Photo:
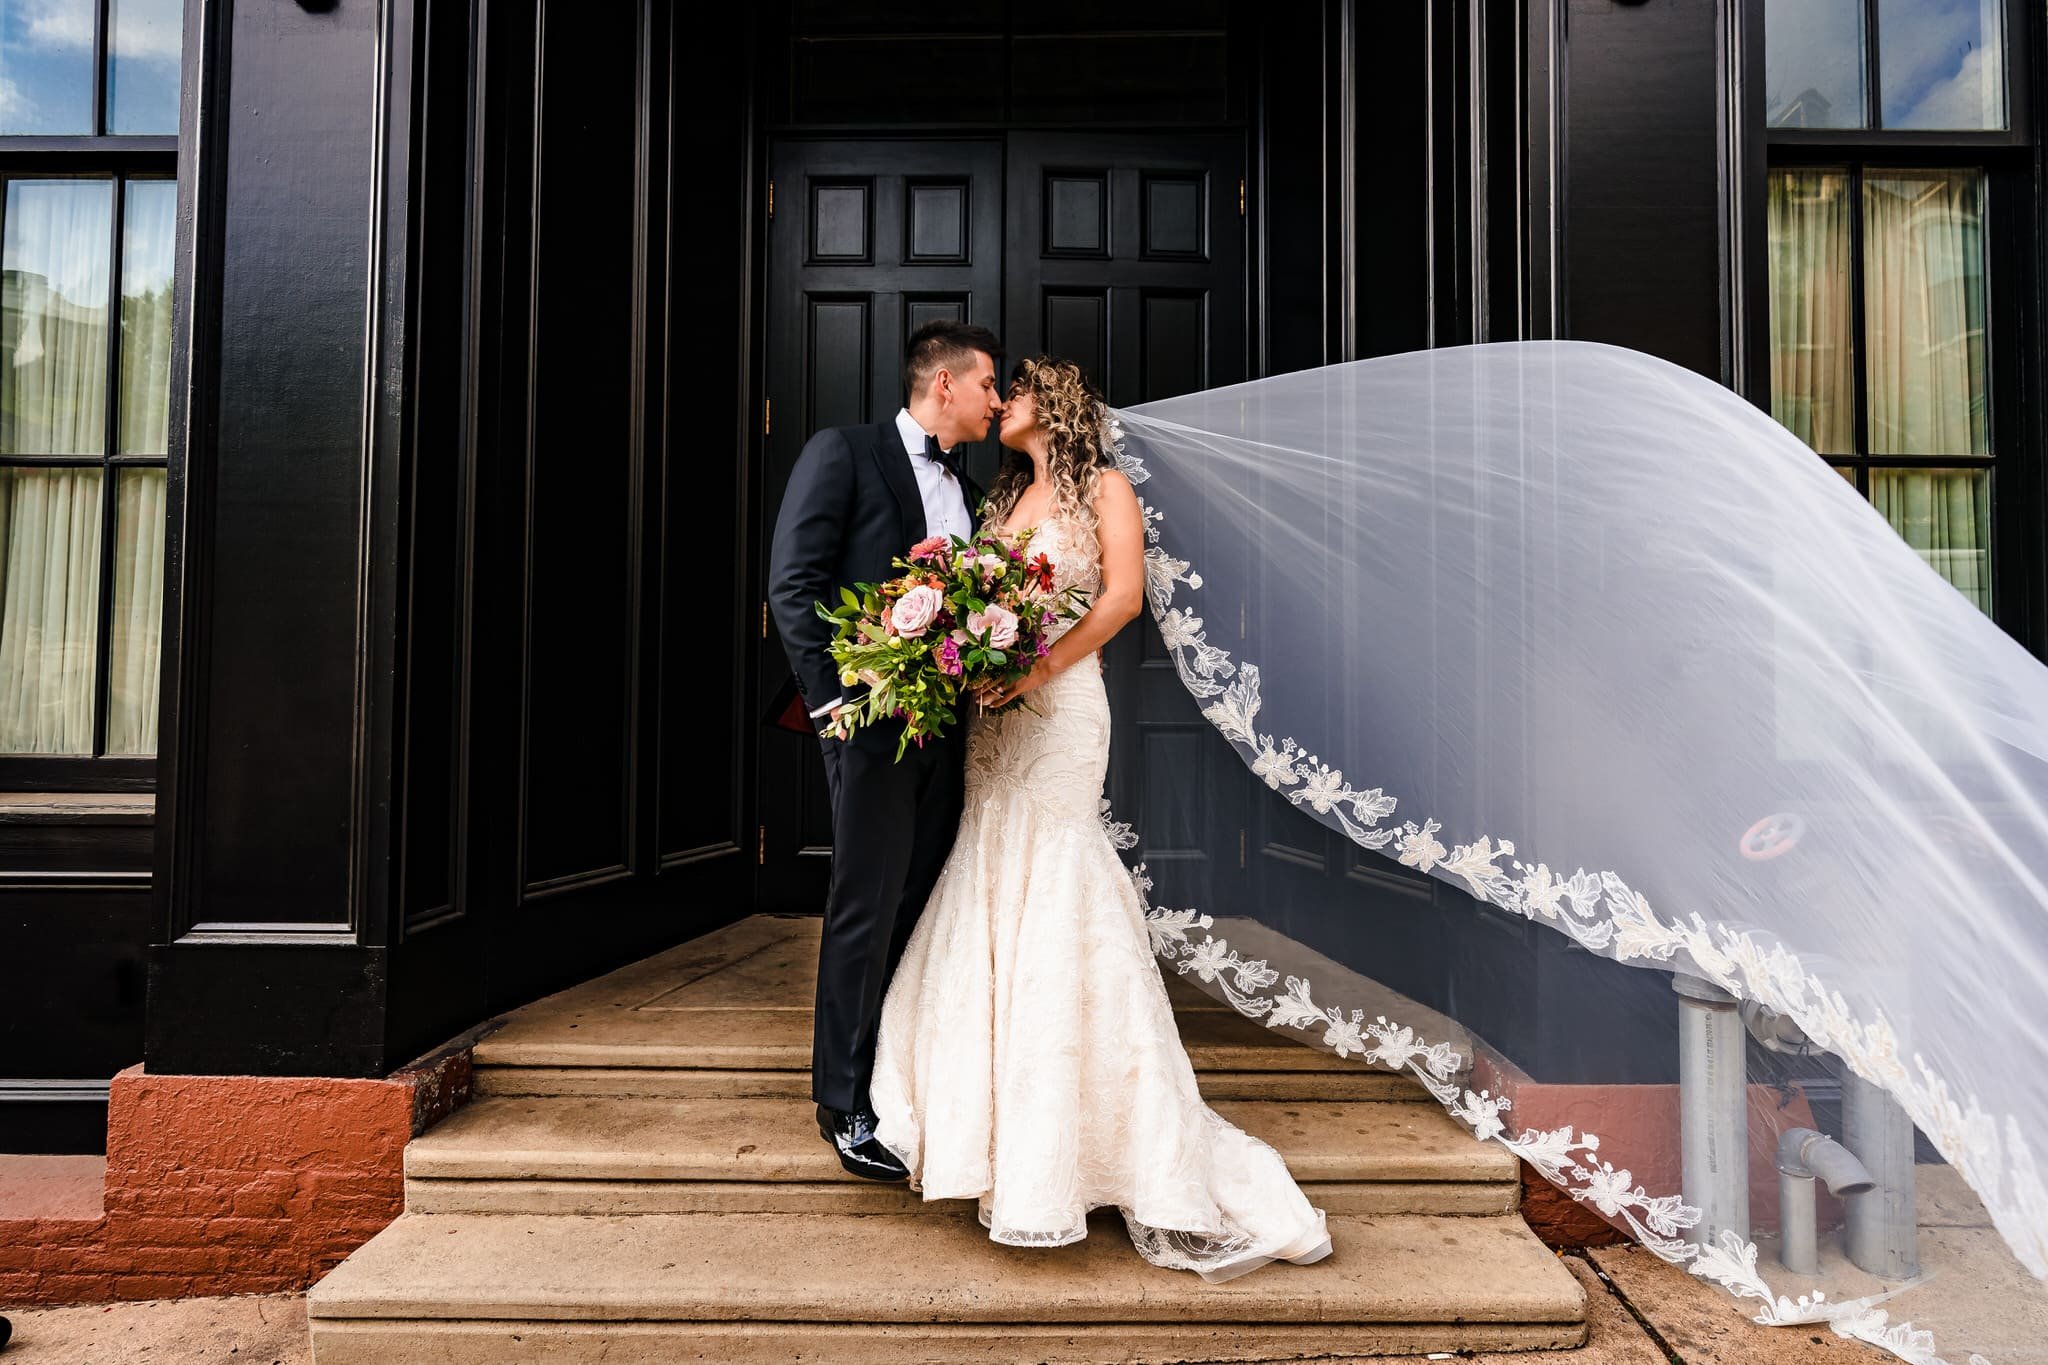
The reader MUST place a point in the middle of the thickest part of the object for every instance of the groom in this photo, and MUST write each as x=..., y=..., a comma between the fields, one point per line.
x=858, y=498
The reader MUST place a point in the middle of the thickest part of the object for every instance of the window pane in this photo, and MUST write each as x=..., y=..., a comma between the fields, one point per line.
x=49, y=608
x=46, y=66
x=148, y=224
x=1813, y=63
x=136, y=637
x=1943, y=63
x=143, y=38
x=1813, y=380
x=1923, y=305
x=53, y=317
x=1945, y=514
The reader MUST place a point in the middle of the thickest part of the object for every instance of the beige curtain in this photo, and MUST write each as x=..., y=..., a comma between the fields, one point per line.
x=135, y=640
x=148, y=228
x=1923, y=302
x=49, y=608
x=53, y=373
x=1812, y=382
x=1923, y=272
x=1945, y=514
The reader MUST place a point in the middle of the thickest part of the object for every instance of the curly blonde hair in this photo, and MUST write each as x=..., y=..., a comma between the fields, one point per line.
x=1072, y=413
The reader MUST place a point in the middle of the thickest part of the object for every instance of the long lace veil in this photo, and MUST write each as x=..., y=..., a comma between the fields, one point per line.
x=1555, y=727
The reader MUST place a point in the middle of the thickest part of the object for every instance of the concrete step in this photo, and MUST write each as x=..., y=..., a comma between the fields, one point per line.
x=794, y=1083
x=729, y=1016
x=610, y=1155
x=461, y=1289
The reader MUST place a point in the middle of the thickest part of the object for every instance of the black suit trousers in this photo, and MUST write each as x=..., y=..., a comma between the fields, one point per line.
x=892, y=826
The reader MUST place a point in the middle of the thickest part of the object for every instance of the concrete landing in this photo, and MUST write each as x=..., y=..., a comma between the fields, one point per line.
x=729, y=1016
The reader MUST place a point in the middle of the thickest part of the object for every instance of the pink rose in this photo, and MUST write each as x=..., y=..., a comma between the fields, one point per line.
x=999, y=622
x=914, y=611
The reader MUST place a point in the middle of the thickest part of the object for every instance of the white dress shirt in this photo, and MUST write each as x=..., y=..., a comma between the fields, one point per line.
x=945, y=501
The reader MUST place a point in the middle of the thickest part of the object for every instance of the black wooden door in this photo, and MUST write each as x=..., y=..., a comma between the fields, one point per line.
x=606, y=790
x=1124, y=252
x=869, y=241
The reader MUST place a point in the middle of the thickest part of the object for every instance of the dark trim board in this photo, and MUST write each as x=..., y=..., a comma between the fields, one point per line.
x=73, y=1124
x=15, y=1090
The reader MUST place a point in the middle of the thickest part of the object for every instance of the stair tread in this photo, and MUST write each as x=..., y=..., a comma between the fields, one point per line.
x=739, y=999
x=940, y=1268
x=780, y=1040
x=609, y=1138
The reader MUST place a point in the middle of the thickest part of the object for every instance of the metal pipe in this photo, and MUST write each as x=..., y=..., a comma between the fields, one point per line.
x=1883, y=1226
x=1713, y=1118
x=1801, y=1151
x=1802, y=1155
x=1797, y=1248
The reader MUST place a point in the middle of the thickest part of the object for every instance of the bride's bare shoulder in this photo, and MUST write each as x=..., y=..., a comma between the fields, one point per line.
x=1113, y=490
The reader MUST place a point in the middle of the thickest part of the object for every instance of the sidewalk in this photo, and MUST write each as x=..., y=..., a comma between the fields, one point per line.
x=1693, y=1319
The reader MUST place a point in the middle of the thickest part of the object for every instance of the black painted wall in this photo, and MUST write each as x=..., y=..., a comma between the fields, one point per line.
x=451, y=602
x=74, y=916
x=1642, y=192
x=461, y=623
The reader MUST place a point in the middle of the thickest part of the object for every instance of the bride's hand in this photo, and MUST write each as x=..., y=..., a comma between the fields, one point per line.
x=993, y=696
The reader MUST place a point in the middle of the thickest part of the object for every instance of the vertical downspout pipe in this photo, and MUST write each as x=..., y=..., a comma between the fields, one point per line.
x=1802, y=1155
x=1884, y=1227
x=1713, y=1111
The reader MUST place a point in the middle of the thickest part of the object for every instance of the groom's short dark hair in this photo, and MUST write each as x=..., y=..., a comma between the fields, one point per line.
x=944, y=344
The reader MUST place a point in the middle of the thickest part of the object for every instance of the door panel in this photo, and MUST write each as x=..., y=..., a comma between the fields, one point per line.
x=604, y=787
x=869, y=241
x=1125, y=254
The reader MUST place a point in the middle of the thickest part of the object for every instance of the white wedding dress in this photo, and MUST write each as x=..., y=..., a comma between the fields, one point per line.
x=1028, y=1057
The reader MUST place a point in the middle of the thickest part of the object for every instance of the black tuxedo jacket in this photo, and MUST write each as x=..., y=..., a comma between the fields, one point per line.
x=851, y=508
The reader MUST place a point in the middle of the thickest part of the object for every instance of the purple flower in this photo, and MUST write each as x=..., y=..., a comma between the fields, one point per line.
x=949, y=657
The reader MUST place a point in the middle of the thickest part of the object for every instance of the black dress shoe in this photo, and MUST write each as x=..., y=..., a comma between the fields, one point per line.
x=852, y=1135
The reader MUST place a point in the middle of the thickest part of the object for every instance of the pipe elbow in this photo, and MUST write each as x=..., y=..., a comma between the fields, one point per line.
x=1806, y=1153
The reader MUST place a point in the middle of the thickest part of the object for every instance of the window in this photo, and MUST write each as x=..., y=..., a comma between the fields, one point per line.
x=88, y=114
x=1883, y=328
x=1939, y=64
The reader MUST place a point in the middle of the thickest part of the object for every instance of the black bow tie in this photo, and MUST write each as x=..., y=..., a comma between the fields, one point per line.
x=944, y=459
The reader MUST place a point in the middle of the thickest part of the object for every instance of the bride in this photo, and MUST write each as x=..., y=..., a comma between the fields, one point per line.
x=1028, y=1056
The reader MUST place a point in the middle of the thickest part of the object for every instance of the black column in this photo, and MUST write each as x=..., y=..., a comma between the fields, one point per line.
x=271, y=944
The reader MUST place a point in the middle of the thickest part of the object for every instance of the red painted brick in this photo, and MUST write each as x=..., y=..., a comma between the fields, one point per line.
x=153, y=1286
x=233, y=1184
x=184, y=1260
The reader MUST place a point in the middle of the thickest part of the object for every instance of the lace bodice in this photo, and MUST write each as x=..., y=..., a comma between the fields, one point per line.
x=1076, y=558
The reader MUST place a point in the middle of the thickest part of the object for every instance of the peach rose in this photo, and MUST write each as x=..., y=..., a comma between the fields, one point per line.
x=914, y=611
x=1000, y=623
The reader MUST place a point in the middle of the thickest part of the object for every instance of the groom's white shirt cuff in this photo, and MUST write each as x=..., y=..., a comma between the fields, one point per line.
x=828, y=706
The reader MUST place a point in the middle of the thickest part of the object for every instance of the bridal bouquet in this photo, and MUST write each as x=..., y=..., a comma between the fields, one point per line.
x=962, y=613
